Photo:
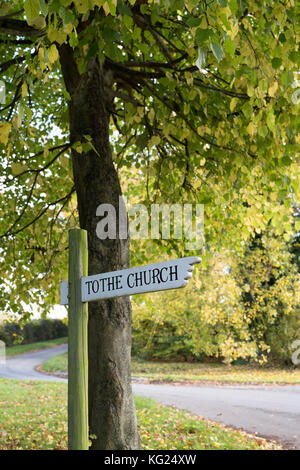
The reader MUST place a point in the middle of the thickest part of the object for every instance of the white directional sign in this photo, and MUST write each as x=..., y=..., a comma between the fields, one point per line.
x=150, y=278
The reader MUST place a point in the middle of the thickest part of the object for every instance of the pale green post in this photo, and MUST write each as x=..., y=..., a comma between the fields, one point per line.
x=77, y=347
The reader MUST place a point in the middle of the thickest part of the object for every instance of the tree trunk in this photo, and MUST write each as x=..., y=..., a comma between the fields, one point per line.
x=112, y=417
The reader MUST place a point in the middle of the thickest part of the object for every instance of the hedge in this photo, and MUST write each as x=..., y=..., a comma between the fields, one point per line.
x=33, y=331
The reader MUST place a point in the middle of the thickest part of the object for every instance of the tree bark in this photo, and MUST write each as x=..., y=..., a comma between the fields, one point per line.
x=112, y=416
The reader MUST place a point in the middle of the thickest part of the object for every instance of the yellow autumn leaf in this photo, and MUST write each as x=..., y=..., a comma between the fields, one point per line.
x=52, y=54
x=68, y=28
x=233, y=104
x=82, y=6
x=24, y=89
x=18, y=168
x=155, y=140
x=4, y=132
x=273, y=89
x=151, y=116
x=38, y=23
x=106, y=8
x=234, y=30
x=8, y=150
x=252, y=128
x=41, y=54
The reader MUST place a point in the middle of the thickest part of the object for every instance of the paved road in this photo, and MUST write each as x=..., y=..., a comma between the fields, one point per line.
x=23, y=367
x=271, y=411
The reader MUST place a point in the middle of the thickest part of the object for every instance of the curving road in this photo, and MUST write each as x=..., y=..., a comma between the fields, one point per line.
x=23, y=367
x=270, y=411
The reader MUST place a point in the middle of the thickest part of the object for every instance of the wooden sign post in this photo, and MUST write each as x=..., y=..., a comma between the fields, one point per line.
x=77, y=344
x=80, y=289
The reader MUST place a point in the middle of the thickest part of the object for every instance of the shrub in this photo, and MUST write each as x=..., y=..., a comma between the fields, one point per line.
x=33, y=331
x=4, y=336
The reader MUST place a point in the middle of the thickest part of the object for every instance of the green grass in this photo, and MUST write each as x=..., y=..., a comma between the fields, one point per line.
x=214, y=372
x=24, y=348
x=56, y=364
x=195, y=372
x=34, y=416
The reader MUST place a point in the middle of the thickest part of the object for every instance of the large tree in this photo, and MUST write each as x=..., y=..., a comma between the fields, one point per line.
x=196, y=95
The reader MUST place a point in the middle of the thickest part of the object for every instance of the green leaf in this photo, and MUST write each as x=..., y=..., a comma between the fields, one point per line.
x=233, y=6
x=32, y=9
x=294, y=56
x=124, y=9
x=44, y=7
x=217, y=51
x=66, y=15
x=109, y=35
x=276, y=63
x=203, y=35
x=262, y=131
x=194, y=22
x=229, y=46
x=285, y=161
x=271, y=120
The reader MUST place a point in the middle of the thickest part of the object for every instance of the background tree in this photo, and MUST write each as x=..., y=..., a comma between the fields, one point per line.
x=241, y=305
x=197, y=94
x=269, y=278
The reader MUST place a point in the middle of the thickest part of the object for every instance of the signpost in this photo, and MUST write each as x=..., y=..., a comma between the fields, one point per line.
x=77, y=344
x=81, y=289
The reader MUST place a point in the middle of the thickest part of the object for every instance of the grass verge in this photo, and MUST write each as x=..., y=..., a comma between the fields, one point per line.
x=214, y=373
x=25, y=348
x=196, y=372
x=34, y=416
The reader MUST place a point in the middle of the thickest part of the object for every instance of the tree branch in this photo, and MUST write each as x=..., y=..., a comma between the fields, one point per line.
x=12, y=14
x=35, y=219
x=190, y=125
x=144, y=23
x=37, y=171
x=154, y=65
x=19, y=28
x=18, y=42
x=6, y=65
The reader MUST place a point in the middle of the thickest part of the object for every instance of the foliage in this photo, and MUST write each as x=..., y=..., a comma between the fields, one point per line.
x=34, y=417
x=270, y=283
x=243, y=305
x=203, y=105
x=207, y=316
x=33, y=331
x=18, y=349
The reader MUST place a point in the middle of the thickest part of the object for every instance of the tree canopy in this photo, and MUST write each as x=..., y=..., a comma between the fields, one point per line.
x=175, y=100
x=203, y=103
